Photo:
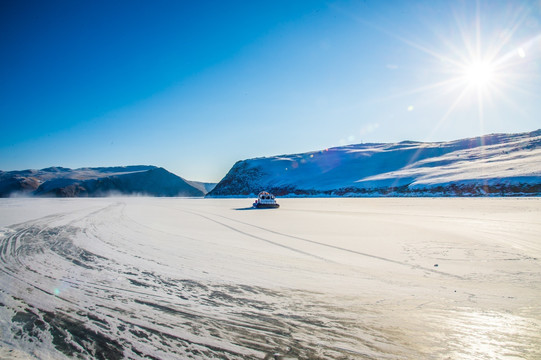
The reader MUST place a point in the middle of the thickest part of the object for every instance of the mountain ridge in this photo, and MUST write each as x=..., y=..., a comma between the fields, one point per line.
x=494, y=164
x=97, y=182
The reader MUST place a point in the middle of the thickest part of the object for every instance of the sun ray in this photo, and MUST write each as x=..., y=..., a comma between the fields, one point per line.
x=411, y=43
x=433, y=53
x=479, y=65
x=481, y=69
x=503, y=97
x=478, y=30
x=507, y=36
x=518, y=89
x=449, y=111
x=415, y=155
x=480, y=110
x=467, y=43
x=509, y=59
x=448, y=84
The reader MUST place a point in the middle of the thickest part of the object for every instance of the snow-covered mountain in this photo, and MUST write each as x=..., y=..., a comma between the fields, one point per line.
x=497, y=164
x=102, y=181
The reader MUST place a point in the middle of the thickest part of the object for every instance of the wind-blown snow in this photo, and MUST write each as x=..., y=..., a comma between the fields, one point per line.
x=173, y=278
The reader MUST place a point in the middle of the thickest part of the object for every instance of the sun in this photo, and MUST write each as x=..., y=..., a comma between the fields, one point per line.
x=479, y=73
x=477, y=65
x=479, y=60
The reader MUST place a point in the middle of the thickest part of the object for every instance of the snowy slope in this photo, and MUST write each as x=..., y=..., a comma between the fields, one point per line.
x=101, y=181
x=504, y=164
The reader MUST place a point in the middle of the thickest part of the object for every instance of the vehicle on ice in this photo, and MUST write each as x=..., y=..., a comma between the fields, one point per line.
x=265, y=200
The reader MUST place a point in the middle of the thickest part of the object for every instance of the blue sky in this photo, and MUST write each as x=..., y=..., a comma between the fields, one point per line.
x=195, y=86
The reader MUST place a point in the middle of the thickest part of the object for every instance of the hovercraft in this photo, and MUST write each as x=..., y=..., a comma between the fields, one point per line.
x=265, y=200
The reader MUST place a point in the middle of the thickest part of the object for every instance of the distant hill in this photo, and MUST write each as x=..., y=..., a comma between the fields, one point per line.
x=94, y=182
x=497, y=164
x=205, y=187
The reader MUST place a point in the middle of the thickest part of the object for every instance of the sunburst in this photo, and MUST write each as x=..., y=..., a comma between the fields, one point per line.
x=479, y=73
x=480, y=66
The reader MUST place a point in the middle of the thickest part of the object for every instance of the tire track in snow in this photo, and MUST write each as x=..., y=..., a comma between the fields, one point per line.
x=34, y=238
x=14, y=250
x=396, y=213
x=258, y=237
x=168, y=315
x=417, y=267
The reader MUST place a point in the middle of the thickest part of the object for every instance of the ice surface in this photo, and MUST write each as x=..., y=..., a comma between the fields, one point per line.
x=171, y=278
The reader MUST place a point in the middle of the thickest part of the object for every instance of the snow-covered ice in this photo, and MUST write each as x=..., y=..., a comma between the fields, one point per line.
x=172, y=278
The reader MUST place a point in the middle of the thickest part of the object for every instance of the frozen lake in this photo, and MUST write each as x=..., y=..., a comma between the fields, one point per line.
x=169, y=278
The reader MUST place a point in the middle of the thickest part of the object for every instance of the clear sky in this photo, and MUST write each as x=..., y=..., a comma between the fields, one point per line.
x=194, y=86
